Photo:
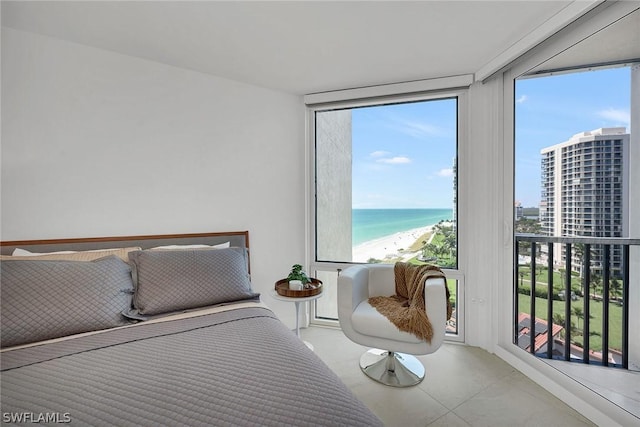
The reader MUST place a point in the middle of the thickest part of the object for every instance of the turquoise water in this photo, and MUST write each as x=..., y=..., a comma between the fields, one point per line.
x=369, y=224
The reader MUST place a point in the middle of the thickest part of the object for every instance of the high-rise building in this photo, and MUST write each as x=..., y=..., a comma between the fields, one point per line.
x=585, y=190
x=518, y=211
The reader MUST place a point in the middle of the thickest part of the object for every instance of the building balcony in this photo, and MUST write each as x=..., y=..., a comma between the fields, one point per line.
x=580, y=313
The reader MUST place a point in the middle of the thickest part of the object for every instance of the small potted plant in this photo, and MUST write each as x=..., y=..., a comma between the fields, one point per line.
x=297, y=278
x=298, y=284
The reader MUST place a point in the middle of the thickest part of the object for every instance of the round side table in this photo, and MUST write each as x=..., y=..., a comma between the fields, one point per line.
x=297, y=302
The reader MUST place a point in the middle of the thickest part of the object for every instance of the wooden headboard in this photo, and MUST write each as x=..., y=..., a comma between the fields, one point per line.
x=236, y=238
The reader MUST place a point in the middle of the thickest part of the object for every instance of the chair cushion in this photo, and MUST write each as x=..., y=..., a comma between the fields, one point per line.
x=366, y=320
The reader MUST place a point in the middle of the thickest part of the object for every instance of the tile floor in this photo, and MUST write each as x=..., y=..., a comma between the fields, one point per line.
x=464, y=386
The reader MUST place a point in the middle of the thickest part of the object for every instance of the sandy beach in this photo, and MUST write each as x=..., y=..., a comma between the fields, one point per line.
x=389, y=246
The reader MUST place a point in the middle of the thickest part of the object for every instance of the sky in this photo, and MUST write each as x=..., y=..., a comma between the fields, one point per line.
x=403, y=153
x=550, y=110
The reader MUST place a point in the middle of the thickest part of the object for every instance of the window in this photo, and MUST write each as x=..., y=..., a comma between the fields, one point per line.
x=385, y=188
x=581, y=117
x=383, y=171
x=604, y=37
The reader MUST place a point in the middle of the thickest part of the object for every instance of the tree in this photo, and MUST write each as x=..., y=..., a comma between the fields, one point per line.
x=430, y=250
x=528, y=226
x=442, y=246
x=615, y=288
x=595, y=283
x=579, y=313
x=558, y=319
x=579, y=251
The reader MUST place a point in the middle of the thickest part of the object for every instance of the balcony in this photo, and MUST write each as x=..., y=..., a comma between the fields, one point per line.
x=583, y=317
x=585, y=320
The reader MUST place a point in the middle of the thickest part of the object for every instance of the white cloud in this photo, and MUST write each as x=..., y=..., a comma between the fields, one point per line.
x=522, y=99
x=418, y=129
x=379, y=153
x=616, y=115
x=421, y=129
x=394, y=160
x=445, y=172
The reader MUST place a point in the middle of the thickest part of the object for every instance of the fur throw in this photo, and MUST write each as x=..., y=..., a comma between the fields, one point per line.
x=406, y=309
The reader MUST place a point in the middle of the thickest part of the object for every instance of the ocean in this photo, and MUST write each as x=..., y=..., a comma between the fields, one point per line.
x=370, y=224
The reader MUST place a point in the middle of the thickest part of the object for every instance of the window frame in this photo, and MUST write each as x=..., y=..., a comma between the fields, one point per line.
x=565, y=379
x=460, y=93
x=532, y=65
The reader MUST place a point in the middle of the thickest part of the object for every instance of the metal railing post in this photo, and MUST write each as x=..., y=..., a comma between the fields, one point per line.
x=586, y=309
x=550, y=342
x=532, y=318
x=567, y=304
x=605, y=305
x=625, y=307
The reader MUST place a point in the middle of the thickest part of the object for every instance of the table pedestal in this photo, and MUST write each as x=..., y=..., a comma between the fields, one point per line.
x=297, y=302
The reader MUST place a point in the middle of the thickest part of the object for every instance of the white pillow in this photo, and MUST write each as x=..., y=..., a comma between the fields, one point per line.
x=122, y=253
x=24, y=252
x=218, y=246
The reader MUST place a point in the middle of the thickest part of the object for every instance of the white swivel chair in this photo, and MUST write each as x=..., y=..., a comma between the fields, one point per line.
x=394, y=365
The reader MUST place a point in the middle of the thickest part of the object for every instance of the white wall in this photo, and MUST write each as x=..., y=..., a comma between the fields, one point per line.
x=483, y=214
x=96, y=143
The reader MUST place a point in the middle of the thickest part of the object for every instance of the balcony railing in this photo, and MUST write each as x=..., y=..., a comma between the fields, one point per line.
x=550, y=290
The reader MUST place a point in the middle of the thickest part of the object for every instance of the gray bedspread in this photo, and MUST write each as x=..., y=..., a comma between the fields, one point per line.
x=237, y=368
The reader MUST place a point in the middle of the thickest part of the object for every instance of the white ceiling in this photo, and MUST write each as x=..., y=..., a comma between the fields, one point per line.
x=304, y=47
x=613, y=43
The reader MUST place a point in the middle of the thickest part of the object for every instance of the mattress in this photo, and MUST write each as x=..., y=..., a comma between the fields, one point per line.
x=237, y=367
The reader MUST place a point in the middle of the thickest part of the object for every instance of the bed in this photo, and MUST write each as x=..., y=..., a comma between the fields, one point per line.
x=195, y=358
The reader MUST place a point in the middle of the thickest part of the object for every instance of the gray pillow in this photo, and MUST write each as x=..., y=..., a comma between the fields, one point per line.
x=50, y=299
x=171, y=280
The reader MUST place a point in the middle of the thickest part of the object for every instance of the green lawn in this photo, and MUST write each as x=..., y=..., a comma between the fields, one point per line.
x=542, y=278
x=595, y=323
x=558, y=277
x=453, y=291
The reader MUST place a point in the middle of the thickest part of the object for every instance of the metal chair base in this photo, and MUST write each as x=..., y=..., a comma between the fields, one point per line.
x=391, y=368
